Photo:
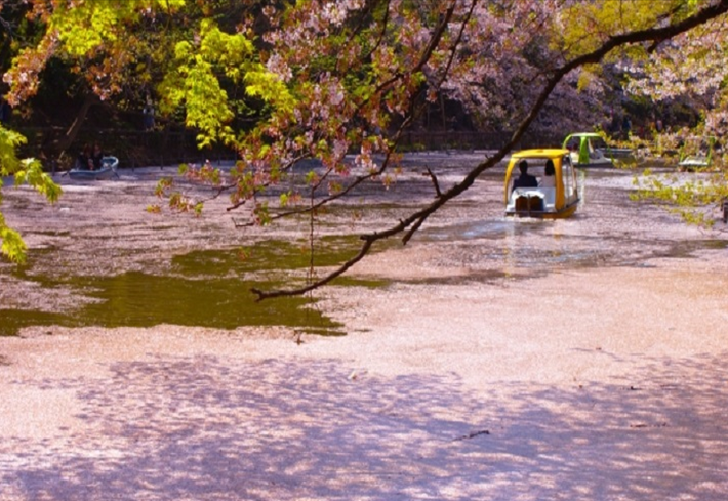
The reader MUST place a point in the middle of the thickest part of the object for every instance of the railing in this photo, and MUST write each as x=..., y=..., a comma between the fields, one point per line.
x=473, y=140
x=167, y=147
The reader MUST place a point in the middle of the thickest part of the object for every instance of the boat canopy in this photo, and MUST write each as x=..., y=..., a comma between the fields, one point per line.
x=529, y=190
x=587, y=149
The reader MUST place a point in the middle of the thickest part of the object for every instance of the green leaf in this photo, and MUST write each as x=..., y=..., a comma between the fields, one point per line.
x=13, y=247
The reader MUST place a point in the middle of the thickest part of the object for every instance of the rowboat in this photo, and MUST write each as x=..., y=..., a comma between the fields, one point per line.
x=106, y=171
x=535, y=193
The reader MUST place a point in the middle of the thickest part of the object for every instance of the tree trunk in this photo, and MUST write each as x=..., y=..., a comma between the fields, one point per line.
x=57, y=146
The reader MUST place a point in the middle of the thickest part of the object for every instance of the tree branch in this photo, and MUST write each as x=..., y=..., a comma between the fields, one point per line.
x=435, y=182
x=416, y=219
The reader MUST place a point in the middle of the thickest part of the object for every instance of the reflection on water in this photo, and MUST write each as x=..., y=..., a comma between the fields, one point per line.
x=511, y=244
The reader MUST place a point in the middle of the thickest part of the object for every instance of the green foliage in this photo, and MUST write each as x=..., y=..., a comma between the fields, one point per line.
x=12, y=247
x=32, y=174
x=28, y=171
x=267, y=86
x=196, y=82
x=588, y=24
x=284, y=199
x=261, y=212
x=693, y=196
x=9, y=141
x=83, y=26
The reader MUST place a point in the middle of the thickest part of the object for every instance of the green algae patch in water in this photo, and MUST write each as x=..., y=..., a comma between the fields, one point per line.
x=141, y=300
x=266, y=256
x=206, y=288
x=11, y=321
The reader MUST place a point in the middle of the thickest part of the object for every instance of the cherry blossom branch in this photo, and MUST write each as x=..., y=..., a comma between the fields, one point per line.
x=382, y=32
x=426, y=55
x=415, y=220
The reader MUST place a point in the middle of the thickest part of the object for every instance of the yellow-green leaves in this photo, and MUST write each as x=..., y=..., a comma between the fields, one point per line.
x=32, y=173
x=229, y=52
x=12, y=245
x=83, y=26
x=208, y=106
x=693, y=199
x=96, y=38
x=28, y=171
x=588, y=24
x=9, y=140
x=167, y=5
x=197, y=84
x=269, y=87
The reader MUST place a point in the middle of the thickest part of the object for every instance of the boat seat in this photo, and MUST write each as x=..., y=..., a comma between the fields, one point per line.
x=522, y=204
x=529, y=203
x=546, y=194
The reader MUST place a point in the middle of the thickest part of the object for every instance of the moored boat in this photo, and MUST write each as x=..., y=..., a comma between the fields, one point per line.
x=106, y=171
x=589, y=149
x=697, y=153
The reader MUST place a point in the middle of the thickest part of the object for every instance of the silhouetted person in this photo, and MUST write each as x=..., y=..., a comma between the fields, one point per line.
x=97, y=157
x=149, y=116
x=5, y=112
x=84, y=160
x=525, y=179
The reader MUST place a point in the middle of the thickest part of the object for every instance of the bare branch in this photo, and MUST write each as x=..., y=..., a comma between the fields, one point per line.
x=368, y=241
x=433, y=176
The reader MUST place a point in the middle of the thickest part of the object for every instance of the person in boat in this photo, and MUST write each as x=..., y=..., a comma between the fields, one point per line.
x=97, y=157
x=85, y=160
x=549, y=175
x=525, y=179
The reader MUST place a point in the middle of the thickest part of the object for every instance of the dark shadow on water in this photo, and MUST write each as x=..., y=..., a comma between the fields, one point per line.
x=205, y=428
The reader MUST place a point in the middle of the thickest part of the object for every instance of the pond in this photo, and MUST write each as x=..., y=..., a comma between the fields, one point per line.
x=209, y=284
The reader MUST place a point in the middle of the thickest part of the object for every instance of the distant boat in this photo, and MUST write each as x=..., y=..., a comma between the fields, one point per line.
x=107, y=170
x=552, y=200
x=589, y=149
x=702, y=153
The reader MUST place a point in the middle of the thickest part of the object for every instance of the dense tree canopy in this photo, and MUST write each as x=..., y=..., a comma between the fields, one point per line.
x=322, y=79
